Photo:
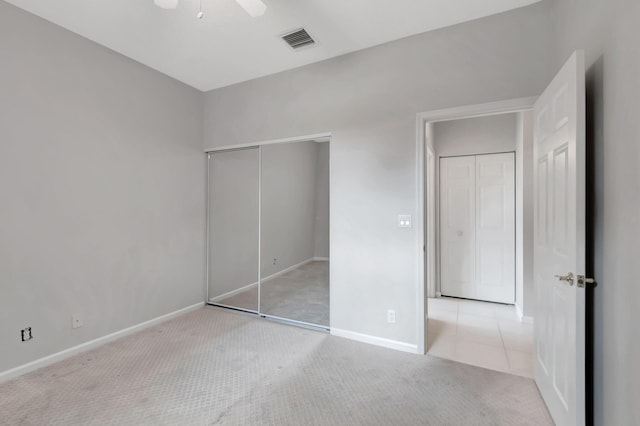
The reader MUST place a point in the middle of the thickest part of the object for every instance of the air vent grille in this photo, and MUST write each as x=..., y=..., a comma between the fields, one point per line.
x=298, y=38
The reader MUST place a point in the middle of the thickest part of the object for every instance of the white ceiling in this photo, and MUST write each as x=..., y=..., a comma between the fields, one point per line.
x=228, y=46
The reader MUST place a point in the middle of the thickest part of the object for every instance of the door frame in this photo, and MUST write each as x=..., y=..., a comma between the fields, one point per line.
x=430, y=221
x=422, y=118
x=318, y=137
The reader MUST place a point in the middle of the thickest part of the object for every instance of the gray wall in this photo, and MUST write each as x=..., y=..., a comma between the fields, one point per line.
x=369, y=100
x=321, y=232
x=479, y=135
x=102, y=189
x=519, y=212
x=609, y=32
x=288, y=204
x=234, y=222
x=430, y=172
x=525, y=296
x=527, y=212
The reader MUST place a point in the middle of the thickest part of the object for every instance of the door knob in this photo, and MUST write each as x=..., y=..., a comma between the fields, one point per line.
x=566, y=278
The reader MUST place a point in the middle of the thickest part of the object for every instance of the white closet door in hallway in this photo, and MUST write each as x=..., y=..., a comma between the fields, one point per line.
x=477, y=227
x=458, y=226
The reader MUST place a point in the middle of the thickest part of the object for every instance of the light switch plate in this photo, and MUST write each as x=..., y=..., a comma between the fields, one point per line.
x=404, y=221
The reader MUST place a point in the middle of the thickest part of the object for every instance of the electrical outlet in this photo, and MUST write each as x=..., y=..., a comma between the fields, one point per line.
x=275, y=261
x=391, y=316
x=25, y=334
x=76, y=321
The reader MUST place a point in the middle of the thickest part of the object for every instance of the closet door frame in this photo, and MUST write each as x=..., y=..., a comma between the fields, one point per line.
x=325, y=137
x=440, y=221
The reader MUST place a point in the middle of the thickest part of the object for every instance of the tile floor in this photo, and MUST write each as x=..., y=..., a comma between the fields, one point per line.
x=483, y=334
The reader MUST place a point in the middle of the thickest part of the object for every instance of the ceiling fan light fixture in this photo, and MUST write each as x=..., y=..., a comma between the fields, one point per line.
x=254, y=8
x=166, y=4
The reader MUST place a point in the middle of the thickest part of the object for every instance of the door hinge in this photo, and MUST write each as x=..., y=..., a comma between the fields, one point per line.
x=582, y=281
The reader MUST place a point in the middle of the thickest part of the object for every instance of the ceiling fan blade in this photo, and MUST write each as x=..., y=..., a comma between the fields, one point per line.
x=166, y=4
x=254, y=8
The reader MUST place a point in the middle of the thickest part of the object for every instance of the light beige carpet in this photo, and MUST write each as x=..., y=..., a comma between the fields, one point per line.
x=218, y=367
x=301, y=294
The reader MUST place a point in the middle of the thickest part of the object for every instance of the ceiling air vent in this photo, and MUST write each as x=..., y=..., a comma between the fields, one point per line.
x=298, y=38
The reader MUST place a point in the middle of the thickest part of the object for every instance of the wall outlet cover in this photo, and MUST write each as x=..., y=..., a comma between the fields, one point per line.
x=76, y=321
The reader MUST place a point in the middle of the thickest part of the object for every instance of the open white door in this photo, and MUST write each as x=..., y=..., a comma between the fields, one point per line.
x=559, y=243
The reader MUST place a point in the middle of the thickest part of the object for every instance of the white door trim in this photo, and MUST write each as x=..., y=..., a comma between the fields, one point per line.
x=430, y=230
x=319, y=137
x=467, y=111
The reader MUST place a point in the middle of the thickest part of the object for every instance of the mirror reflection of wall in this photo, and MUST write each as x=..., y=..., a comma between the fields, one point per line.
x=234, y=185
x=295, y=232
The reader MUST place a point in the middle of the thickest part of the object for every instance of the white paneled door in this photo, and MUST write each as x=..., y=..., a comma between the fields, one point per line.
x=559, y=243
x=477, y=227
x=495, y=228
x=458, y=226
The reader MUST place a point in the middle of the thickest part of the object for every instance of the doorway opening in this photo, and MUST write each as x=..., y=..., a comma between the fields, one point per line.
x=477, y=249
x=556, y=235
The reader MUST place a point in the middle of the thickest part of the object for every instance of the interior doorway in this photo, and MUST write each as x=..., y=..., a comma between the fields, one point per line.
x=473, y=318
x=555, y=123
x=501, y=129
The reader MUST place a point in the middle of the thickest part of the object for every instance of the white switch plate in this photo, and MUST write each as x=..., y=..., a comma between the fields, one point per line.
x=391, y=316
x=76, y=321
x=404, y=221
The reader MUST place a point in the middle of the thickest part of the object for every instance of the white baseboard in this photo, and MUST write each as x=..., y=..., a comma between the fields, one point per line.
x=233, y=292
x=265, y=279
x=59, y=356
x=289, y=269
x=373, y=340
x=519, y=312
x=522, y=317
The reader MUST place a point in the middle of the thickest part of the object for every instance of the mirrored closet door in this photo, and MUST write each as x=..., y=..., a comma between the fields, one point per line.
x=268, y=239
x=233, y=240
x=294, y=240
